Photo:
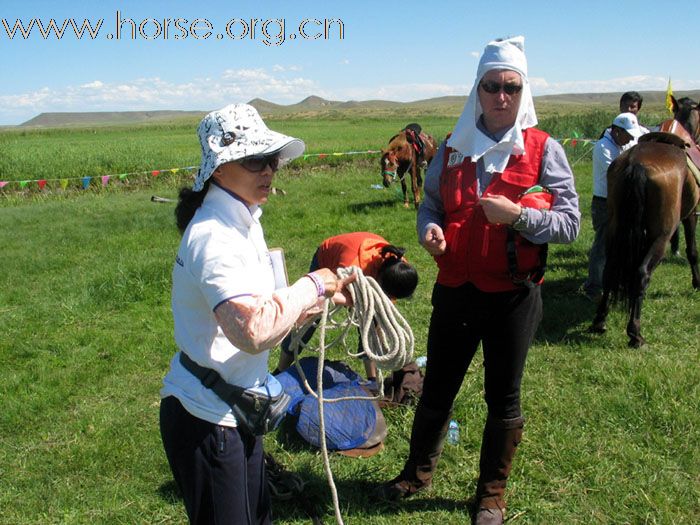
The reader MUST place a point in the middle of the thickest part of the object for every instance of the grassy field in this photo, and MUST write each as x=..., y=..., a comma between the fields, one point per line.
x=611, y=437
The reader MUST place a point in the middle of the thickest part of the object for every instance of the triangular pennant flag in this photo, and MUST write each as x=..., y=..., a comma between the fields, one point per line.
x=41, y=183
x=338, y=154
x=576, y=134
x=322, y=155
x=155, y=173
x=565, y=142
x=306, y=157
x=573, y=143
x=3, y=183
x=174, y=170
x=105, y=180
x=64, y=184
x=23, y=183
x=123, y=176
x=86, y=182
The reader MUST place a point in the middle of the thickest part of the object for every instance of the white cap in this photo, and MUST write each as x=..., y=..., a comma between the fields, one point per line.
x=236, y=132
x=506, y=53
x=628, y=122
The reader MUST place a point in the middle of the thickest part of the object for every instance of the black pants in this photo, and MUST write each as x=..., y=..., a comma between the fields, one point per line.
x=504, y=322
x=220, y=472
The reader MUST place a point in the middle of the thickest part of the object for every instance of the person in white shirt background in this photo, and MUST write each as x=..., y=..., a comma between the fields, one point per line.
x=622, y=135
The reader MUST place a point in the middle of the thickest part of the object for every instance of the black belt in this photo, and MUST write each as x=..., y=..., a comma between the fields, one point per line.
x=211, y=379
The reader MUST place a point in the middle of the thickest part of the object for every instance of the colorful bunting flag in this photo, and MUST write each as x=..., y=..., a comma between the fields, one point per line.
x=105, y=180
x=41, y=183
x=3, y=183
x=64, y=184
x=23, y=183
x=86, y=182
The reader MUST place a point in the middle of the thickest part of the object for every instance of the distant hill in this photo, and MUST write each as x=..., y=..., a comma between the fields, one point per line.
x=315, y=106
x=51, y=120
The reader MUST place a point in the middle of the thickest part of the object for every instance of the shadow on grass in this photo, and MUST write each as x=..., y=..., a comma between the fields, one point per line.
x=356, y=497
x=363, y=207
x=170, y=492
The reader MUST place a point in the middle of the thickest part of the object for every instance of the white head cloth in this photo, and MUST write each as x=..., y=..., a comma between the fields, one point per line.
x=470, y=141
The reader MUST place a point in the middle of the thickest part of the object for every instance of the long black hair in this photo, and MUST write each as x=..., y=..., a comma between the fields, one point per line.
x=187, y=204
x=396, y=277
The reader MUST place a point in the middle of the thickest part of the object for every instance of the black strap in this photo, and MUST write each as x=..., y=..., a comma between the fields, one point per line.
x=212, y=380
x=532, y=279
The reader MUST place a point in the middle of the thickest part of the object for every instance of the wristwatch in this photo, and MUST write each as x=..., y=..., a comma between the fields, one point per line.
x=521, y=222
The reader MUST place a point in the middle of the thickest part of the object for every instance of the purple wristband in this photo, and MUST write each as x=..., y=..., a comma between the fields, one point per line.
x=320, y=288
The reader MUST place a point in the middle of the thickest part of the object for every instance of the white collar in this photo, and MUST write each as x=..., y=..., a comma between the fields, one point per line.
x=230, y=207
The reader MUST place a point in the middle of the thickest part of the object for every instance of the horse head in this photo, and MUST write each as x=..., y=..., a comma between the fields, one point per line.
x=687, y=112
x=390, y=164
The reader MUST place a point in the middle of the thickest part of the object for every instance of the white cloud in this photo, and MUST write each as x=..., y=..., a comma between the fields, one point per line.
x=399, y=92
x=277, y=84
x=232, y=85
x=474, y=54
x=95, y=84
x=540, y=86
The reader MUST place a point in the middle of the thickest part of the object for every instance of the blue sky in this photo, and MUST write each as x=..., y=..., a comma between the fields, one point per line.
x=390, y=50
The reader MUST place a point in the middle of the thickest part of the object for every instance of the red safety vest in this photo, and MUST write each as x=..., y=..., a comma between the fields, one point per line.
x=476, y=249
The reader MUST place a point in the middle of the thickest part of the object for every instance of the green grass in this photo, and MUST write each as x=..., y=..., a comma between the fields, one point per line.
x=611, y=437
x=73, y=153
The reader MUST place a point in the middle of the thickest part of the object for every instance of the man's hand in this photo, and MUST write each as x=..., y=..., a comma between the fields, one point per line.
x=434, y=240
x=499, y=209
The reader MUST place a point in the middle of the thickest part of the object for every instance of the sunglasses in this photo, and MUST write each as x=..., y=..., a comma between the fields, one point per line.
x=494, y=87
x=258, y=164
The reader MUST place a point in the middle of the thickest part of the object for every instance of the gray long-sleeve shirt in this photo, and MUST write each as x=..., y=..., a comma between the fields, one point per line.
x=560, y=224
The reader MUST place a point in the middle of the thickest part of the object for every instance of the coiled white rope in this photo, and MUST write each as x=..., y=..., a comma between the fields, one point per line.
x=387, y=340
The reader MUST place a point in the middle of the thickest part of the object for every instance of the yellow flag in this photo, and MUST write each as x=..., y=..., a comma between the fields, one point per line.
x=669, y=94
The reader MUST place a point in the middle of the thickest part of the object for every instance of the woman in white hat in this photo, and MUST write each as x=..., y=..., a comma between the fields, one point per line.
x=227, y=316
x=497, y=191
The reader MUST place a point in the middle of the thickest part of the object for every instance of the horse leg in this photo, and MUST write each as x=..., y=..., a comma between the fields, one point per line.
x=403, y=188
x=675, y=240
x=650, y=262
x=415, y=173
x=601, y=314
x=691, y=249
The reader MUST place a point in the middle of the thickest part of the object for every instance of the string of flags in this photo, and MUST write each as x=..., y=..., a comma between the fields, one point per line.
x=104, y=180
x=85, y=182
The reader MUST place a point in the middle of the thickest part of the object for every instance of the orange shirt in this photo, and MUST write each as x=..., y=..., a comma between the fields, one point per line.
x=361, y=249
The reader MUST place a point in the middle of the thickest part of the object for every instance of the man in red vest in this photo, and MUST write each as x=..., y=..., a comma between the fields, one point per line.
x=497, y=192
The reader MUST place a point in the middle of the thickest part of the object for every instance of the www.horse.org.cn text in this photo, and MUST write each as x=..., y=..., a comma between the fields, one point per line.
x=269, y=31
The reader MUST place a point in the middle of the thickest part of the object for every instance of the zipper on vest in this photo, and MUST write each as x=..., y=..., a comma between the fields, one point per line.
x=485, y=240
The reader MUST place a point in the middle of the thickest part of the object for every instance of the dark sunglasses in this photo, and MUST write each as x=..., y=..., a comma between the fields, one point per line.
x=494, y=87
x=258, y=164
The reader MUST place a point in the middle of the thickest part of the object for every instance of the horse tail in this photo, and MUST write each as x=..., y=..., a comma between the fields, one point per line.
x=626, y=237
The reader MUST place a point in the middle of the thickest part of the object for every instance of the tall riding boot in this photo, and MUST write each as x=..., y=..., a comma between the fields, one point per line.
x=501, y=437
x=427, y=440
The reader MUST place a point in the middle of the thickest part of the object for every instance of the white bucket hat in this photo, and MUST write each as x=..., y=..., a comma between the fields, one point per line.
x=236, y=132
x=628, y=122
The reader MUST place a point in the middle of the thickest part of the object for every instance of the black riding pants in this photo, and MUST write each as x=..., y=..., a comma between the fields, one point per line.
x=504, y=323
x=220, y=472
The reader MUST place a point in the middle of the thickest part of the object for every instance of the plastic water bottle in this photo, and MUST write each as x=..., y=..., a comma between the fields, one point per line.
x=453, y=432
x=421, y=361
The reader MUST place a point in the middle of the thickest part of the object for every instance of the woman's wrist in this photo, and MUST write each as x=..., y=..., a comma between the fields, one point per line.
x=318, y=282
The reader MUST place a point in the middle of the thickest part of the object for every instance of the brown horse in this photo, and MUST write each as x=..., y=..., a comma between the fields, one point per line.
x=683, y=112
x=403, y=155
x=651, y=189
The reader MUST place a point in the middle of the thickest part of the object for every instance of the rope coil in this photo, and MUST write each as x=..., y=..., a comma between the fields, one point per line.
x=386, y=337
